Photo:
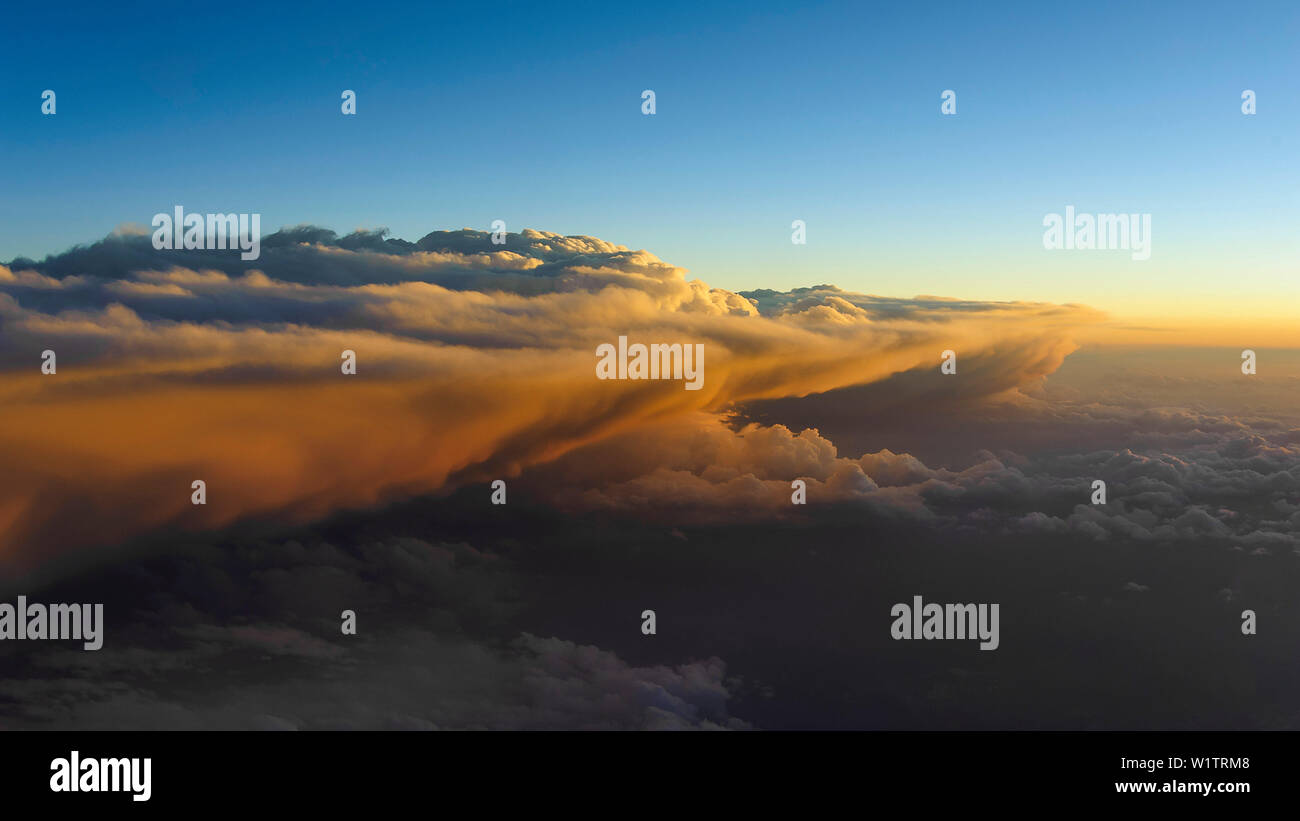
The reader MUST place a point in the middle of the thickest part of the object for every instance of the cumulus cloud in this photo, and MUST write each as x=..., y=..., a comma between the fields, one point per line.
x=1228, y=481
x=475, y=360
x=476, y=363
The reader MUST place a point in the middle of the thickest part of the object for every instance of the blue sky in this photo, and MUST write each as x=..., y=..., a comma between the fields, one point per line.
x=766, y=113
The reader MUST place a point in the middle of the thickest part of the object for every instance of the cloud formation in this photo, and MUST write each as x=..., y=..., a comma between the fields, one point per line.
x=477, y=362
x=474, y=360
x=434, y=649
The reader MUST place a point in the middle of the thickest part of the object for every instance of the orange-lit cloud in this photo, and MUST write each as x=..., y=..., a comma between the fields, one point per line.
x=473, y=362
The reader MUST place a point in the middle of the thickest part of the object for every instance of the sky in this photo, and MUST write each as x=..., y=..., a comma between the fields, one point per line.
x=943, y=391
x=766, y=113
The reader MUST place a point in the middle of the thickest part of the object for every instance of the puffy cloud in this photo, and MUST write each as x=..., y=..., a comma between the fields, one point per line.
x=1237, y=488
x=475, y=360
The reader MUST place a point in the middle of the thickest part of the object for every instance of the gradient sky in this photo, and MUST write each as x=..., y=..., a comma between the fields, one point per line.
x=825, y=112
x=329, y=490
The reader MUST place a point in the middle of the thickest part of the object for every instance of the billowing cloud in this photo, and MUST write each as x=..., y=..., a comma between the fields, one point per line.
x=477, y=362
x=474, y=360
x=1207, y=471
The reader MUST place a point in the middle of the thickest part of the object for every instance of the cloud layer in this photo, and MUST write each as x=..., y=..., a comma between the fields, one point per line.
x=477, y=362
x=474, y=361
